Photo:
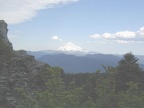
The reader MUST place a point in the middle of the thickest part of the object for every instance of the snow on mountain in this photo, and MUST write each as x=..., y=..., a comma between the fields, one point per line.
x=70, y=47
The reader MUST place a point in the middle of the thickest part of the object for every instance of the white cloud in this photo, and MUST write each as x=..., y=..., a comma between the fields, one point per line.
x=122, y=41
x=108, y=35
x=56, y=38
x=16, y=11
x=125, y=34
x=141, y=32
x=122, y=36
x=142, y=29
x=95, y=36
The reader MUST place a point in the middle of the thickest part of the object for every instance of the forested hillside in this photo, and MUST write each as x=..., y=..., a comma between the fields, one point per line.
x=116, y=87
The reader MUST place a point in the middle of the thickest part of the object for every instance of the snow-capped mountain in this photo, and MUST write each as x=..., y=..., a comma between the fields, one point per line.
x=70, y=47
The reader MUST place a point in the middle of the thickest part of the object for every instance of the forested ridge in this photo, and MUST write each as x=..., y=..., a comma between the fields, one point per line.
x=115, y=87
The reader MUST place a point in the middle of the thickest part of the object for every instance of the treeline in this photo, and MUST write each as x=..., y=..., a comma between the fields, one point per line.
x=115, y=87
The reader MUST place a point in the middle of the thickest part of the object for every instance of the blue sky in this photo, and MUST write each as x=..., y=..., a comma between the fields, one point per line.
x=105, y=26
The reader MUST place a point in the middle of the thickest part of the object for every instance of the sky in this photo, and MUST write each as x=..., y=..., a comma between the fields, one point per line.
x=104, y=26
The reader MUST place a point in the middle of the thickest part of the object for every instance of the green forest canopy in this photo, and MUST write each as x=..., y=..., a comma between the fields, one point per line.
x=117, y=87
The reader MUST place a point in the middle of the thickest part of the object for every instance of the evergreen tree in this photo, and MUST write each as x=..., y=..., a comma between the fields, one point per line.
x=128, y=70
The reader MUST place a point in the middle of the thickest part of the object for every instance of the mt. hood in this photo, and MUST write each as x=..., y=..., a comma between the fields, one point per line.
x=69, y=47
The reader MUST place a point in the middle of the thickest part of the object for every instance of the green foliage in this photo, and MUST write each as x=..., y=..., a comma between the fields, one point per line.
x=58, y=70
x=90, y=90
x=106, y=90
x=25, y=100
x=129, y=63
x=128, y=70
x=56, y=95
x=132, y=98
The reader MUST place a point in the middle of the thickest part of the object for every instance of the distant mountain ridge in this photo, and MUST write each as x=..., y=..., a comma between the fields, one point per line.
x=41, y=53
x=76, y=64
x=77, y=61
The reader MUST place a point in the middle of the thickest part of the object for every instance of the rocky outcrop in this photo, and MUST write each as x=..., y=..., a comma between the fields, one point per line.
x=18, y=71
x=3, y=33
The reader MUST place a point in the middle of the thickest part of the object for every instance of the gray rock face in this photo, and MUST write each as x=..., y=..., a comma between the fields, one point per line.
x=19, y=71
x=3, y=33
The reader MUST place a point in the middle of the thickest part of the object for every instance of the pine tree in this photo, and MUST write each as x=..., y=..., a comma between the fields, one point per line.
x=128, y=70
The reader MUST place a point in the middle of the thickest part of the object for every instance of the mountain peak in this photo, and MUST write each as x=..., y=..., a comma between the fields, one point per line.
x=70, y=47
